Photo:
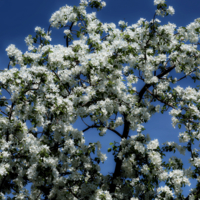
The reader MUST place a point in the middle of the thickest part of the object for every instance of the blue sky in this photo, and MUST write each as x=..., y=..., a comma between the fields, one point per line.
x=19, y=18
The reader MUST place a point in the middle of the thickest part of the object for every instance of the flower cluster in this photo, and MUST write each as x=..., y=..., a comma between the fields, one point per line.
x=95, y=76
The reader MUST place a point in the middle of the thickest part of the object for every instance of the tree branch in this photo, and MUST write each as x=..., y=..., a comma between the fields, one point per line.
x=118, y=166
x=147, y=86
x=95, y=126
x=61, y=81
x=159, y=99
x=67, y=39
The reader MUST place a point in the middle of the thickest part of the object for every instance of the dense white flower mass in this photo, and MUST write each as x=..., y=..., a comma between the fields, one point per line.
x=153, y=144
x=156, y=2
x=67, y=32
x=171, y=10
x=94, y=76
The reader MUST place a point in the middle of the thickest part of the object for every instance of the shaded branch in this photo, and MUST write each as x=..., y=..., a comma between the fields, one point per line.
x=146, y=86
x=67, y=39
x=61, y=81
x=155, y=96
x=95, y=126
x=185, y=75
x=118, y=166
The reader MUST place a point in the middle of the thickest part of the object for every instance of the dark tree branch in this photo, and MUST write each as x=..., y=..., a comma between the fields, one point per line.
x=8, y=65
x=60, y=81
x=95, y=126
x=147, y=86
x=49, y=29
x=157, y=97
x=118, y=166
x=67, y=39
x=186, y=75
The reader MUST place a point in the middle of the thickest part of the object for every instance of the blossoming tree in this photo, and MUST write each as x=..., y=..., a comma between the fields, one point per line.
x=57, y=84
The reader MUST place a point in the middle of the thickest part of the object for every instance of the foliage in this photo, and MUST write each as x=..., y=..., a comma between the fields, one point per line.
x=55, y=85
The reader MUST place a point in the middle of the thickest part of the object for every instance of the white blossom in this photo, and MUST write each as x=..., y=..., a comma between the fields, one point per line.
x=92, y=78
